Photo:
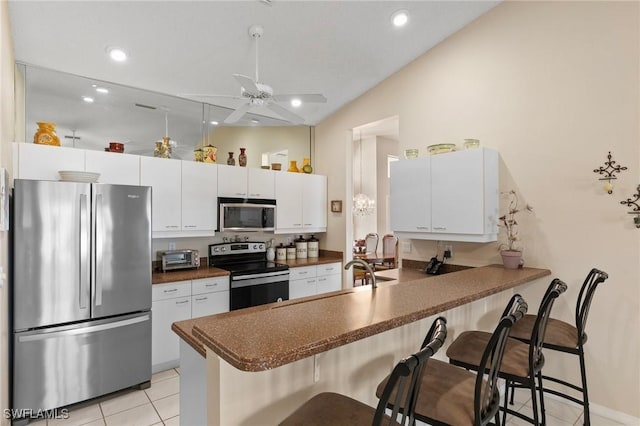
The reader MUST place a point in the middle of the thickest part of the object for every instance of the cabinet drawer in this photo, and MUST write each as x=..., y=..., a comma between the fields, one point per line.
x=302, y=272
x=170, y=290
x=209, y=304
x=209, y=285
x=330, y=269
x=302, y=288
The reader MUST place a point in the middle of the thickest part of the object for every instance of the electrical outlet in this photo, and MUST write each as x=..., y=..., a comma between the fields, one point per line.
x=406, y=246
x=448, y=251
x=172, y=246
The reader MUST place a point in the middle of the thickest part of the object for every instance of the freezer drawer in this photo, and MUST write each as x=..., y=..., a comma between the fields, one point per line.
x=64, y=365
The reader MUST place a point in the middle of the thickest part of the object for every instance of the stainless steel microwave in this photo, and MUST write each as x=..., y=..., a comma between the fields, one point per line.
x=246, y=215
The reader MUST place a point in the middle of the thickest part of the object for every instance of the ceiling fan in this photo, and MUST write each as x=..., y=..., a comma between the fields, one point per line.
x=256, y=94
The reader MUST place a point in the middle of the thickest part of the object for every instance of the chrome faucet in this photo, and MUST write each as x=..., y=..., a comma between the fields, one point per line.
x=367, y=267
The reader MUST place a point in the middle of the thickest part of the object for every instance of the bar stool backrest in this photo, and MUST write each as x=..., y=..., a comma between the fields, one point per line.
x=585, y=297
x=555, y=289
x=487, y=395
x=404, y=383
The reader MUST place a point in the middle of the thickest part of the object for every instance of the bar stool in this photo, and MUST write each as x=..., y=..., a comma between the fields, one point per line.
x=522, y=362
x=450, y=395
x=567, y=338
x=330, y=408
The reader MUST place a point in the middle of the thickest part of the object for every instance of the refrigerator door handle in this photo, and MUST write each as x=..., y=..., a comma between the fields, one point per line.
x=82, y=330
x=97, y=253
x=83, y=294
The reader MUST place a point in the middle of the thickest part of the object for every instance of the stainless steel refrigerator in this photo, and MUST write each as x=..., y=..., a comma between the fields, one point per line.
x=81, y=291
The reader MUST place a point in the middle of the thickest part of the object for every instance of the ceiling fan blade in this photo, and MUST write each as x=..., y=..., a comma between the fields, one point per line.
x=235, y=115
x=205, y=95
x=248, y=84
x=307, y=97
x=283, y=112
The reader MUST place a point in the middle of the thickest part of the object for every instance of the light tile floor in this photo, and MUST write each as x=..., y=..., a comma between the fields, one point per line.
x=159, y=405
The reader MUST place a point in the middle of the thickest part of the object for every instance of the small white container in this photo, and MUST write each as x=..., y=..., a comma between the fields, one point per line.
x=291, y=252
x=301, y=248
x=312, y=247
x=281, y=253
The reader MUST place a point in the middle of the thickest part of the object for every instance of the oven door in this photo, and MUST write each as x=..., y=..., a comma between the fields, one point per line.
x=244, y=216
x=259, y=289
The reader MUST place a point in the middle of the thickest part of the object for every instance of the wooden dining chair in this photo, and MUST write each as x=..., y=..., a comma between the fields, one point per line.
x=389, y=251
x=371, y=242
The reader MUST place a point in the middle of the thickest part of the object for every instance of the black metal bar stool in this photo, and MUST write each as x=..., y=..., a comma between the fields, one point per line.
x=522, y=362
x=330, y=408
x=568, y=338
x=450, y=395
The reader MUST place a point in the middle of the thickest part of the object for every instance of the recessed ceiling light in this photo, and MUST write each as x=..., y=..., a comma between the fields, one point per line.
x=87, y=99
x=254, y=121
x=400, y=18
x=117, y=54
x=102, y=90
x=215, y=123
x=296, y=102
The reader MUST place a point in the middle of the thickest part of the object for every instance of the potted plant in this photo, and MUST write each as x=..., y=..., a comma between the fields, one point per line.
x=511, y=253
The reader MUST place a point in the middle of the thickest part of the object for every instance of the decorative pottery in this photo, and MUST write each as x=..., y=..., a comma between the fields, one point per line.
x=410, y=153
x=471, y=143
x=116, y=147
x=276, y=166
x=46, y=134
x=163, y=148
x=231, y=161
x=198, y=155
x=209, y=153
x=512, y=259
x=306, y=166
x=441, y=148
x=242, y=158
x=293, y=166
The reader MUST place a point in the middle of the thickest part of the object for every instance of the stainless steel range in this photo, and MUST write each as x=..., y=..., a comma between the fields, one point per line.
x=254, y=280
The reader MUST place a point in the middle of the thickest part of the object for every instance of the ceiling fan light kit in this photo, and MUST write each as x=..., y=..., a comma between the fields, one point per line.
x=256, y=95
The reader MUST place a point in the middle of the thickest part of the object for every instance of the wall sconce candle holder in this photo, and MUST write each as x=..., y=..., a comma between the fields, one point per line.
x=608, y=173
x=635, y=206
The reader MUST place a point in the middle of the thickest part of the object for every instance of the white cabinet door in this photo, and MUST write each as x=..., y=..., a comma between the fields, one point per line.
x=261, y=184
x=114, y=168
x=199, y=196
x=289, y=187
x=232, y=181
x=42, y=162
x=457, y=192
x=164, y=176
x=302, y=288
x=165, y=352
x=314, y=203
x=410, y=195
x=209, y=303
x=329, y=277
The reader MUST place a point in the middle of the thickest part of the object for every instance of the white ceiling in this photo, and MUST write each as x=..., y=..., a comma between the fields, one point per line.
x=338, y=48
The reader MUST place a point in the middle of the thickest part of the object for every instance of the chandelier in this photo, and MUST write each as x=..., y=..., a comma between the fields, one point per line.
x=363, y=205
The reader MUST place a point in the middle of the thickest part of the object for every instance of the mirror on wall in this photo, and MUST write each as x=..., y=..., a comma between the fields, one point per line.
x=90, y=113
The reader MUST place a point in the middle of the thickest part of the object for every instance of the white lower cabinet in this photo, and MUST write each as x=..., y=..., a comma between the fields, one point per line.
x=178, y=301
x=171, y=302
x=313, y=280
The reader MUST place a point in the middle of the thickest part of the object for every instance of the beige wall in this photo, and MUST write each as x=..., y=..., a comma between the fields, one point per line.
x=6, y=137
x=553, y=86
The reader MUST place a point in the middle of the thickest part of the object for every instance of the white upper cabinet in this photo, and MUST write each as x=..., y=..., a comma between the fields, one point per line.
x=164, y=176
x=199, y=196
x=114, y=168
x=232, y=181
x=261, y=184
x=410, y=186
x=451, y=197
x=244, y=182
x=301, y=203
x=42, y=162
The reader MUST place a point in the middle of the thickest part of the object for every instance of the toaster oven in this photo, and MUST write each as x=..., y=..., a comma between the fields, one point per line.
x=178, y=259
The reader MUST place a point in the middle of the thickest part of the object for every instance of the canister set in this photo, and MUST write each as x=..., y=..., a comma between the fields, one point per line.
x=301, y=248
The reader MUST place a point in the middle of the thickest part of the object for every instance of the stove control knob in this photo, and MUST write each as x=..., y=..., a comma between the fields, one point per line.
x=223, y=249
x=261, y=247
x=216, y=249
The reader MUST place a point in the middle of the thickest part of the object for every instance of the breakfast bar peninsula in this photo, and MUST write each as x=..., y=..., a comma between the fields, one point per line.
x=255, y=366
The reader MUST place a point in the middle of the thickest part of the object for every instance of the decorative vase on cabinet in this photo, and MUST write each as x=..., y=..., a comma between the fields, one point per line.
x=231, y=161
x=46, y=134
x=293, y=166
x=242, y=158
x=306, y=166
x=512, y=259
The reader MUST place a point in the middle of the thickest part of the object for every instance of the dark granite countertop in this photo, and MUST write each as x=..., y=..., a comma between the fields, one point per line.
x=268, y=336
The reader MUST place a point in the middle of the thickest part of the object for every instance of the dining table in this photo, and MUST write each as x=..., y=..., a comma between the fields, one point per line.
x=374, y=257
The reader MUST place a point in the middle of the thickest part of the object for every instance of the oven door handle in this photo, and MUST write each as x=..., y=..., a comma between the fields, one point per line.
x=253, y=281
x=262, y=275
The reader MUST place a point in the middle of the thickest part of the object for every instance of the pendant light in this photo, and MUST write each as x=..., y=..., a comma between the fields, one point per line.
x=363, y=205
